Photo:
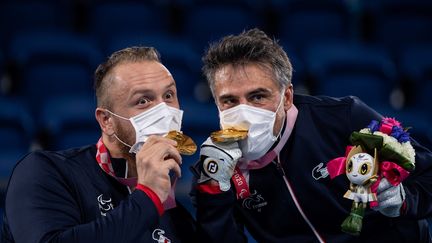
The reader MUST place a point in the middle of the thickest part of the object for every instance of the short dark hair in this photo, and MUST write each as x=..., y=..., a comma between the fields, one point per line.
x=102, y=76
x=252, y=46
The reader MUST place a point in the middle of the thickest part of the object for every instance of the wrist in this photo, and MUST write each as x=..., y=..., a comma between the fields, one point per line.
x=153, y=196
x=211, y=183
x=209, y=187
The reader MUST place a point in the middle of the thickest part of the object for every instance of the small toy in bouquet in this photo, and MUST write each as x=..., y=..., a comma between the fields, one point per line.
x=382, y=152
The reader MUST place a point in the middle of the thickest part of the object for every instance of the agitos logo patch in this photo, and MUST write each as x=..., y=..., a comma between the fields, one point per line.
x=105, y=205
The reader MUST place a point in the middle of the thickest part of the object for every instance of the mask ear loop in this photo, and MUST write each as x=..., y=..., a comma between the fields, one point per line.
x=283, y=120
x=280, y=102
x=127, y=145
x=114, y=114
x=115, y=135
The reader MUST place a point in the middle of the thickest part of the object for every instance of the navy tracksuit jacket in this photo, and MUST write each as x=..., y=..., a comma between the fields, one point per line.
x=66, y=197
x=321, y=133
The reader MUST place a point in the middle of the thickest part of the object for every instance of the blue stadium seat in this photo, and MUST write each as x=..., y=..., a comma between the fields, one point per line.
x=53, y=63
x=305, y=22
x=299, y=79
x=18, y=16
x=17, y=132
x=397, y=23
x=2, y=72
x=415, y=63
x=1, y=213
x=341, y=69
x=255, y=7
x=69, y=121
x=119, y=18
x=66, y=3
x=42, y=82
x=148, y=2
x=204, y=24
x=16, y=124
x=35, y=47
x=177, y=55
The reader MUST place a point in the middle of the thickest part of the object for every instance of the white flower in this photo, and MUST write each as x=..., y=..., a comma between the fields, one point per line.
x=408, y=151
x=404, y=149
x=365, y=130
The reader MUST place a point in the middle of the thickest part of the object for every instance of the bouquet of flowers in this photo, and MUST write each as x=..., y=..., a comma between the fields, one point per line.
x=381, y=150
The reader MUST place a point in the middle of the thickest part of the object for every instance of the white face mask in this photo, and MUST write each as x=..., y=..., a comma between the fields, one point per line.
x=158, y=120
x=259, y=122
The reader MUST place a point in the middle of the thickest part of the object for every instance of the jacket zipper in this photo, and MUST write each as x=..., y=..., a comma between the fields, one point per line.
x=282, y=172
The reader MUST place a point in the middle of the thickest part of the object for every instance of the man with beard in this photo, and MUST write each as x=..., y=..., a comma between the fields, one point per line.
x=274, y=181
x=119, y=189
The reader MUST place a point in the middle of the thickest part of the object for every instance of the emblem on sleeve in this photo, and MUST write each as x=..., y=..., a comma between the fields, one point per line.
x=159, y=236
x=105, y=205
x=319, y=172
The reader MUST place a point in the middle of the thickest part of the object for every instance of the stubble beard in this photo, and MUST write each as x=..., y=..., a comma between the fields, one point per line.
x=126, y=136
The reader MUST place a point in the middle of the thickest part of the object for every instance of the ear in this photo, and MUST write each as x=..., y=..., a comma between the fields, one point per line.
x=105, y=121
x=288, y=94
x=354, y=150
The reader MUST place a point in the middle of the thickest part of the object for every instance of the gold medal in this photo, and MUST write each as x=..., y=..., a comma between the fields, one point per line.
x=228, y=135
x=185, y=144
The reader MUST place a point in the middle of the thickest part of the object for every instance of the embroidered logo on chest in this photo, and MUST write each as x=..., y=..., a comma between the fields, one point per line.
x=159, y=236
x=319, y=172
x=254, y=202
x=105, y=205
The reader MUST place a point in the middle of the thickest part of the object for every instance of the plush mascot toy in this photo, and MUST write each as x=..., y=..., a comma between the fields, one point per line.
x=382, y=151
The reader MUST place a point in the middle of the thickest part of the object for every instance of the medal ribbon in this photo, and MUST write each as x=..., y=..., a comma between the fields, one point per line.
x=104, y=161
x=240, y=182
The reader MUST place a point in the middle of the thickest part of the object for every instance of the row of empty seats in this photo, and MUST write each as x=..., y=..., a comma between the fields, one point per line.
x=301, y=22
x=39, y=64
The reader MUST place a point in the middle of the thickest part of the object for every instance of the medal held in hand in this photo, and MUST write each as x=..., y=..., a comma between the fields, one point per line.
x=228, y=135
x=185, y=144
x=382, y=151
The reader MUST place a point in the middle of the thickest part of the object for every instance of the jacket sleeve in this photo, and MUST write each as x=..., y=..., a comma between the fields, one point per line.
x=40, y=207
x=362, y=114
x=216, y=217
x=418, y=185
